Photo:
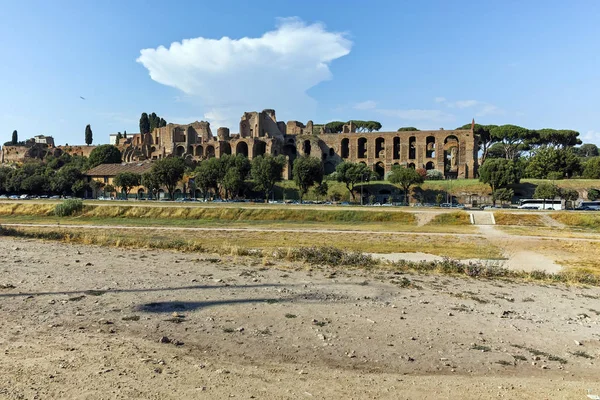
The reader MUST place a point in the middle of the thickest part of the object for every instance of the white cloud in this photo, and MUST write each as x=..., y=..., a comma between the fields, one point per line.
x=365, y=105
x=231, y=76
x=489, y=109
x=590, y=137
x=464, y=103
x=419, y=115
x=440, y=99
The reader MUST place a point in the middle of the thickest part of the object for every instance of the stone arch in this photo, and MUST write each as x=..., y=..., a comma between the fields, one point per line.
x=328, y=168
x=412, y=148
x=306, y=147
x=180, y=151
x=210, y=151
x=331, y=152
x=379, y=169
x=411, y=165
x=140, y=193
x=430, y=147
x=379, y=147
x=361, y=151
x=345, y=152
x=259, y=148
x=242, y=148
x=199, y=151
x=396, y=149
x=429, y=165
x=190, y=149
x=451, y=138
x=225, y=148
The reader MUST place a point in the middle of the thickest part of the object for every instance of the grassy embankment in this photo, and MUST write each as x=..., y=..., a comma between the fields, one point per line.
x=257, y=216
x=517, y=219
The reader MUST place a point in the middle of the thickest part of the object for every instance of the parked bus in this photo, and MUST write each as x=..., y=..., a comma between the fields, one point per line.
x=540, y=204
x=589, y=205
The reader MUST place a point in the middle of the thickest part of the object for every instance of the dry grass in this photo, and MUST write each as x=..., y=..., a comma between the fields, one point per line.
x=587, y=220
x=519, y=219
x=451, y=218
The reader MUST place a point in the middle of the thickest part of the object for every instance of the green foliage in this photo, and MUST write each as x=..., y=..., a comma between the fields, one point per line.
x=366, y=126
x=407, y=129
x=513, y=138
x=587, y=150
x=331, y=256
x=496, y=150
x=104, y=154
x=499, y=173
x=434, y=175
x=168, y=172
x=503, y=195
x=89, y=138
x=68, y=208
x=591, y=169
x=233, y=181
x=405, y=177
x=266, y=171
x=321, y=190
x=547, y=191
x=569, y=194
x=307, y=171
x=335, y=126
x=144, y=124
x=548, y=160
x=484, y=138
x=351, y=174
x=558, y=138
x=67, y=180
x=593, y=194
x=15, y=138
x=151, y=183
x=127, y=181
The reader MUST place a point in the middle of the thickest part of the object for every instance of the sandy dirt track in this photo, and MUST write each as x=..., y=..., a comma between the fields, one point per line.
x=86, y=322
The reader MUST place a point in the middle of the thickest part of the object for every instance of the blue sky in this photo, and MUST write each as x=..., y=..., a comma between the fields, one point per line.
x=428, y=64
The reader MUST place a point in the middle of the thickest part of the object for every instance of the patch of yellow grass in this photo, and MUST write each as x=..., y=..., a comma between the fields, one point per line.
x=587, y=220
x=451, y=218
x=518, y=219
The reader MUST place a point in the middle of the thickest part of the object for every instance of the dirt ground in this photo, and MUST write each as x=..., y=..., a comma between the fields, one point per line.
x=89, y=322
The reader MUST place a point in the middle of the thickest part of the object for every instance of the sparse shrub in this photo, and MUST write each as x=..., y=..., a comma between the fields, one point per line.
x=434, y=175
x=328, y=255
x=68, y=207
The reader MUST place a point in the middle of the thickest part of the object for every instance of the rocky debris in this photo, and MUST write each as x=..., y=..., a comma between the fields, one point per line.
x=164, y=339
x=7, y=286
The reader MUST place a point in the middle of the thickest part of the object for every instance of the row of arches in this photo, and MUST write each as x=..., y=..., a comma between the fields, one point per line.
x=380, y=147
x=259, y=148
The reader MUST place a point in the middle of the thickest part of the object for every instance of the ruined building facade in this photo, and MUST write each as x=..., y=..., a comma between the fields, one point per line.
x=453, y=152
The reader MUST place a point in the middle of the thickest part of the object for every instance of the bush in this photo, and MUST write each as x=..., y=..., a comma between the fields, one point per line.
x=331, y=256
x=68, y=207
x=555, y=175
x=434, y=175
x=593, y=194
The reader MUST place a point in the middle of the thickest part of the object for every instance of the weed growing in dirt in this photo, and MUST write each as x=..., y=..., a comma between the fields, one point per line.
x=540, y=353
x=290, y=315
x=519, y=357
x=481, y=348
x=505, y=363
x=582, y=354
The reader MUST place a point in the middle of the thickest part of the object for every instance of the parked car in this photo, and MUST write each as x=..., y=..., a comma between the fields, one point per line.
x=3, y=197
x=13, y=197
x=55, y=197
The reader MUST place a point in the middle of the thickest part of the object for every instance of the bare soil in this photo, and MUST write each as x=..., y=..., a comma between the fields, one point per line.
x=87, y=322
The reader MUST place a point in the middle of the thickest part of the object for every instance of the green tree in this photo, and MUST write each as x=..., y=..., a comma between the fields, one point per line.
x=439, y=198
x=119, y=137
x=110, y=189
x=405, y=177
x=307, y=171
x=67, y=180
x=266, y=171
x=484, y=137
x=104, y=154
x=205, y=178
x=547, y=160
x=126, y=181
x=569, y=195
x=15, y=138
x=407, y=129
x=335, y=126
x=502, y=194
x=144, y=124
x=558, y=138
x=513, y=138
x=321, y=190
x=149, y=181
x=88, y=135
x=593, y=194
x=499, y=173
x=168, y=172
x=233, y=182
x=587, y=150
x=124, y=134
x=352, y=173
x=591, y=169
x=366, y=126
x=546, y=191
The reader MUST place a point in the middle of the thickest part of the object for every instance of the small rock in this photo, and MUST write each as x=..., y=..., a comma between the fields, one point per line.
x=240, y=329
x=544, y=367
x=578, y=343
x=164, y=339
x=222, y=371
x=450, y=314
